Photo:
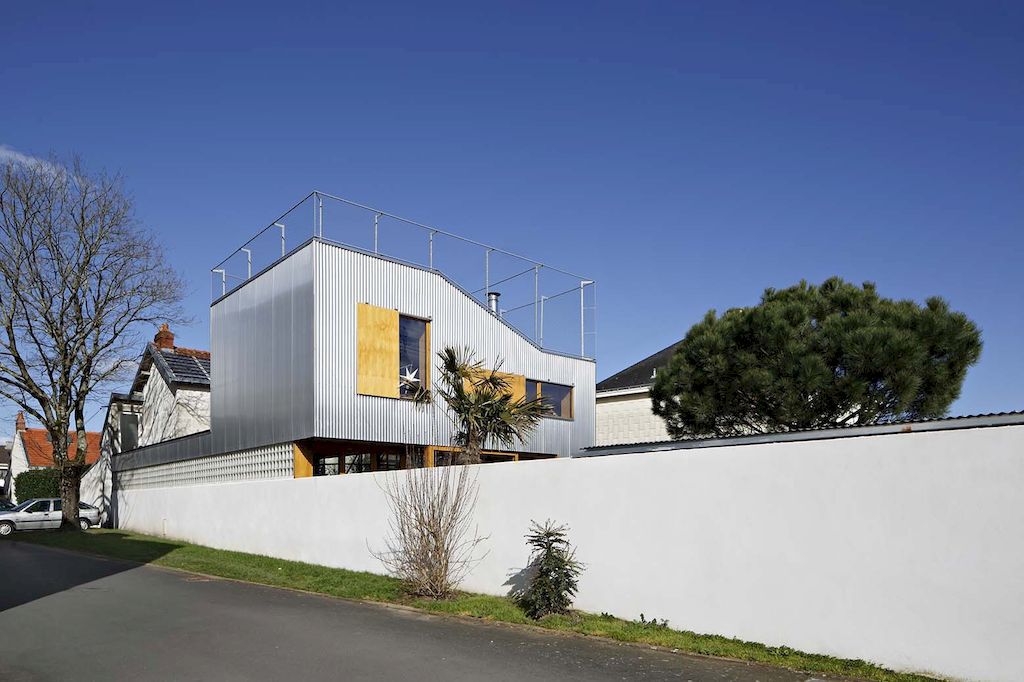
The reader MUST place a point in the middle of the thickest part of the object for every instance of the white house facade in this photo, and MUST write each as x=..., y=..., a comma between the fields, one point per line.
x=624, y=413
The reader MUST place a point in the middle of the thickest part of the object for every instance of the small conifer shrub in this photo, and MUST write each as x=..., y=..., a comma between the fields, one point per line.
x=554, y=571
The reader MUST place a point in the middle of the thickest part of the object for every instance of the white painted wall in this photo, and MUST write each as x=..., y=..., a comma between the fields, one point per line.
x=19, y=463
x=901, y=549
x=96, y=487
x=625, y=417
x=170, y=414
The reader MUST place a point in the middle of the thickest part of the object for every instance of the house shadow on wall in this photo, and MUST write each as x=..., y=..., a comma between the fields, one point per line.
x=33, y=570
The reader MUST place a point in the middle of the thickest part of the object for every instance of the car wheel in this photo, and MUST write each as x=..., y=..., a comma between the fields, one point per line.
x=6, y=528
x=83, y=524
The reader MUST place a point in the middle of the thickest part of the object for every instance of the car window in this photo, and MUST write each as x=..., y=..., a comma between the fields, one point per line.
x=40, y=506
x=56, y=505
x=85, y=507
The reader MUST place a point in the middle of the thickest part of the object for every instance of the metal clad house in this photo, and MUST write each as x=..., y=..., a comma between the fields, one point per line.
x=312, y=359
x=319, y=334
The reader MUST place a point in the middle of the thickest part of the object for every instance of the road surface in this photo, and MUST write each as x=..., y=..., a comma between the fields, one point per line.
x=74, y=617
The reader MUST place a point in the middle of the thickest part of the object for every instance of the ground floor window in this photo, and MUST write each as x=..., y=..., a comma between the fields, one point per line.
x=327, y=466
x=389, y=461
x=357, y=464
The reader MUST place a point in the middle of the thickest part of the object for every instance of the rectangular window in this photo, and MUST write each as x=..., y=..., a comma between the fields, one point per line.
x=412, y=355
x=129, y=432
x=389, y=461
x=57, y=505
x=557, y=397
x=357, y=464
x=327, y=466
x=415, y=459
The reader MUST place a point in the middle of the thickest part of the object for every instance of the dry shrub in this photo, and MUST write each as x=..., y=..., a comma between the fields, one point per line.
x=432, y=544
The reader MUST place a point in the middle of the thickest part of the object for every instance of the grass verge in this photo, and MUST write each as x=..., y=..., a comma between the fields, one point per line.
x=371, y=587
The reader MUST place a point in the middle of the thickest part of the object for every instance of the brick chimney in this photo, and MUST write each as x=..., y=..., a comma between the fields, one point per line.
x=164, y=338
x=19, y=422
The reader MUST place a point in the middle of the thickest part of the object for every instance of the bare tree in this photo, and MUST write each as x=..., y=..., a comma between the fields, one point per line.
x=79, y=279
x=432, y=544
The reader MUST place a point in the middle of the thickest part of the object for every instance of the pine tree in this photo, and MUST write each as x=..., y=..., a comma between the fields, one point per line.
x=813, y=357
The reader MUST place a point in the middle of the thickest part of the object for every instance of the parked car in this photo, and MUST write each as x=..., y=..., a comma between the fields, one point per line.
x=42, y=513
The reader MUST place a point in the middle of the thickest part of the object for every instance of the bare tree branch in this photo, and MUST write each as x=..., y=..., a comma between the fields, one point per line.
x=80, y=280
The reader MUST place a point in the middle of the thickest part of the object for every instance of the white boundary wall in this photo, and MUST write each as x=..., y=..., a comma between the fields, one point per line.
x=901, y=549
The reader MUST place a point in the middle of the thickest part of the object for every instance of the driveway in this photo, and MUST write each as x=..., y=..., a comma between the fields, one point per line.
x=69, y=616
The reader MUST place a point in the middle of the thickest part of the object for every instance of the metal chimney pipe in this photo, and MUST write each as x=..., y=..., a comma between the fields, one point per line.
x=492, y=301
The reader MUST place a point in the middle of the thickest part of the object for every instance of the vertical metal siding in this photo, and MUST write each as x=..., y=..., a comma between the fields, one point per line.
x=345, y=278
x=284, y=355
x=262, y=367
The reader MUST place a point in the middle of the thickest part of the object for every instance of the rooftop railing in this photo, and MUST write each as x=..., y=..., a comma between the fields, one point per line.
x=554, y=307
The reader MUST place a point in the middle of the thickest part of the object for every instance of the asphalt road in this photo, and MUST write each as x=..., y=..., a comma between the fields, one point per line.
x=72, y=617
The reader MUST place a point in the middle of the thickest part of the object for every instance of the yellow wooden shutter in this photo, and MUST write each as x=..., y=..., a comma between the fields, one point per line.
x=377, y=351
x=516, y=383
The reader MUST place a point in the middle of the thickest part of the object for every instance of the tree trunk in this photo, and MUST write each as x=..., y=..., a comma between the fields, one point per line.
x=471, y=453
x=70, y=483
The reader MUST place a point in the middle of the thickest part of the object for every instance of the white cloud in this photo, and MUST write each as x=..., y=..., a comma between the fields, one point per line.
x=10, y=154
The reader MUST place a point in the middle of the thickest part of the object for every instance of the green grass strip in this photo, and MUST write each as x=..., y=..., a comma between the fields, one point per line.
x=338, y=582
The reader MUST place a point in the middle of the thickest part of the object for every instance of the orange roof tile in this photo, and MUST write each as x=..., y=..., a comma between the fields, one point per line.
x=193, y=353
x=39, y=451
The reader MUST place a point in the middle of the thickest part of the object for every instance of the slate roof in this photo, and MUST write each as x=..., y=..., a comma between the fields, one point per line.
x=641, y=373
x=179, y=367
x=39, y=450
x=187, y=368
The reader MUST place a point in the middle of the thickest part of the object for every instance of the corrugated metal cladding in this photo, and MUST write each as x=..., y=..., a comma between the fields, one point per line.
x=345, y=278
x=284, y=355
x=262, y=347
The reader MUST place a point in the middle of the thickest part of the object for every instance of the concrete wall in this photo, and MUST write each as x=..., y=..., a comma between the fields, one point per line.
x=625, y=417
x=900, y=549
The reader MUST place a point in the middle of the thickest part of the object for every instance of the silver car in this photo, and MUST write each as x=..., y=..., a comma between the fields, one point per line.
x=44, y=512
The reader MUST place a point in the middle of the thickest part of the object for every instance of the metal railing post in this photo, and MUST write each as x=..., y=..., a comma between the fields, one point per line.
x=583, y=324
x=430, y=250
x=536, y=296
x=281, y=225
x=487, y=272
x=248, y=262
x=223, y=281
x=541, y=341
x=376, y=218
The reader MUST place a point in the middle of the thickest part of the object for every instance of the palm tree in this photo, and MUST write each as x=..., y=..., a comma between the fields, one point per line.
x=481, y=405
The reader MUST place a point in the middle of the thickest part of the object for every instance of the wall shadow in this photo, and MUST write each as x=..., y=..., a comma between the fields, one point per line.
x=30, y=571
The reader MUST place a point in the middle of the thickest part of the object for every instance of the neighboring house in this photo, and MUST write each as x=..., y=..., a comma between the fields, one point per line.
x=31, y=449
x=172, y=386
x=5, y=470
x=311, y=355
x=624, y=413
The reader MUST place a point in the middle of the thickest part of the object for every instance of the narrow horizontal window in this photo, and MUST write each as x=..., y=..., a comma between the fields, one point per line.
x=557, y=397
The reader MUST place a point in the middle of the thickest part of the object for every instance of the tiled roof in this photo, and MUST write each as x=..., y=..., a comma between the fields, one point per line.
x=39, y=451
x=178, y=366
x=188, y=366
x=641, y=373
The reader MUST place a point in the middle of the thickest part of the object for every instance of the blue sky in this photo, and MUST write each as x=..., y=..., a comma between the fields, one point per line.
x=686, y=156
